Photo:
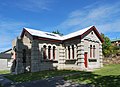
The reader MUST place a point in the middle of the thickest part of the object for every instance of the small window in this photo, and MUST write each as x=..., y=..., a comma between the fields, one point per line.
x=92, y=33
x=49, y=52
x=94, y=51
x=69, y=52
x=44, y=52
x=90, y=50
x=53, y=52
x=73, y=51
x=50, y=34
x=24, y=56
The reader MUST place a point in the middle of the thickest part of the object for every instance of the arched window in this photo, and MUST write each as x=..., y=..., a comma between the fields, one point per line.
x=24, y=56
x=44, y=52
x=49, y=52
x=69, y=52
x=73, y=51
x=90, y=50
x=94, y=51
x=53, y=52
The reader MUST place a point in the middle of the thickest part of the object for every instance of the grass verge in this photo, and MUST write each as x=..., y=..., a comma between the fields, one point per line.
x=38, y=75
x=108, y=76
x=4, y=71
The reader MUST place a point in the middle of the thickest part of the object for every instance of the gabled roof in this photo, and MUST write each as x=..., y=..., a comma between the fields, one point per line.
x=6, y=54
x=114, y=40
x=48, y=35
x=9, y=50
x=43, y=34
x=77, y=33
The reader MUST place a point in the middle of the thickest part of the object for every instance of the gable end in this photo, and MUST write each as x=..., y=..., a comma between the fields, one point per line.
x=96, y=32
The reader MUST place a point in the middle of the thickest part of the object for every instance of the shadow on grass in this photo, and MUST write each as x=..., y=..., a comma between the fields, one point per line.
x=81, y=77
x=107, y=81
x=95, y=80
x=27, y=77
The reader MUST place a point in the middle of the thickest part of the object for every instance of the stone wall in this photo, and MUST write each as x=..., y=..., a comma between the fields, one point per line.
x=115, y=60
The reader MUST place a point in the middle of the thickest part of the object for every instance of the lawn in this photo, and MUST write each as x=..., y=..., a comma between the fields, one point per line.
x=4, y=71
x=38, y=75
x=108, y=76
x=113, y=69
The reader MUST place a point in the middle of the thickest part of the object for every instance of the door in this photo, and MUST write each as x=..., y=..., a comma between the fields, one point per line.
x=85, y=59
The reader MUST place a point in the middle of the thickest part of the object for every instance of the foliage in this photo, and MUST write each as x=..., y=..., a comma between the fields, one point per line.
x=108, y=48
x=108, y=76
x=57, y=32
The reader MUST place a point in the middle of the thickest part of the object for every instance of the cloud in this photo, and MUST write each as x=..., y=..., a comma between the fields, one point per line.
x=105, y=17
x=8, y=31
x=110, y=27
x=32, y=5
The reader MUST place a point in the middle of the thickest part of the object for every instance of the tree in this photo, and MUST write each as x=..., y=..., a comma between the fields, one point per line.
x=106, y=46
x=57, y=32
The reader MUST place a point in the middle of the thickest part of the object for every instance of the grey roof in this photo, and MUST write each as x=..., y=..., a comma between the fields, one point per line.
x=114, y=40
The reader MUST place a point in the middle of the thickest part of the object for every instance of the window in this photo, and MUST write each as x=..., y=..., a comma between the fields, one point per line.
x=90, y=50
x=44, y=52
x=53, y=52
x=69, y=52
x=49, y=53
x=94, y=51
x=92, y=33
x=24, y=56
x=73, y=51
x=50, y=34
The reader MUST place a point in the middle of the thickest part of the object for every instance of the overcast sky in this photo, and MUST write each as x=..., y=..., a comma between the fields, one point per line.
x=64, y=15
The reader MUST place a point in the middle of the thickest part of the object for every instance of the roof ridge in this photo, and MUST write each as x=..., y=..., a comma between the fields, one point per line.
x=56, y=36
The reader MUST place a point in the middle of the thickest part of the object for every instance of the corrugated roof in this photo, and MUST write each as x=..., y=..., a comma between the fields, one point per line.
x=56, y=36
x=117, y=39
x=77, y=33
x=43, y=34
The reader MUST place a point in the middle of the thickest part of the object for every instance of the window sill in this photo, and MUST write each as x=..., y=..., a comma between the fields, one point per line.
x=92, y=60
x=49, y=60
x=71, y=59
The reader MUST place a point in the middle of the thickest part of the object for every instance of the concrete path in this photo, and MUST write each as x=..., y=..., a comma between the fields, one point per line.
x=57, y=81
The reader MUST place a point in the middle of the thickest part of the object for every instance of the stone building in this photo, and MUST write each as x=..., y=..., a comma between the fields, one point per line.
x=37, y=50
x=116, y=42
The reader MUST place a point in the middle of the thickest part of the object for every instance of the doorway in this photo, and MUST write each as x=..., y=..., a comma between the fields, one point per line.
x=85, y=60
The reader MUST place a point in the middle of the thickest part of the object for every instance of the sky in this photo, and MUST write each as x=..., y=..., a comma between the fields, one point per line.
x=67, y=16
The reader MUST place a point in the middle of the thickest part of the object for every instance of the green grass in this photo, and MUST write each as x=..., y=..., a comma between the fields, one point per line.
x=113, y=69
x=37, y=75
x=108, y=76
x=4, y=71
